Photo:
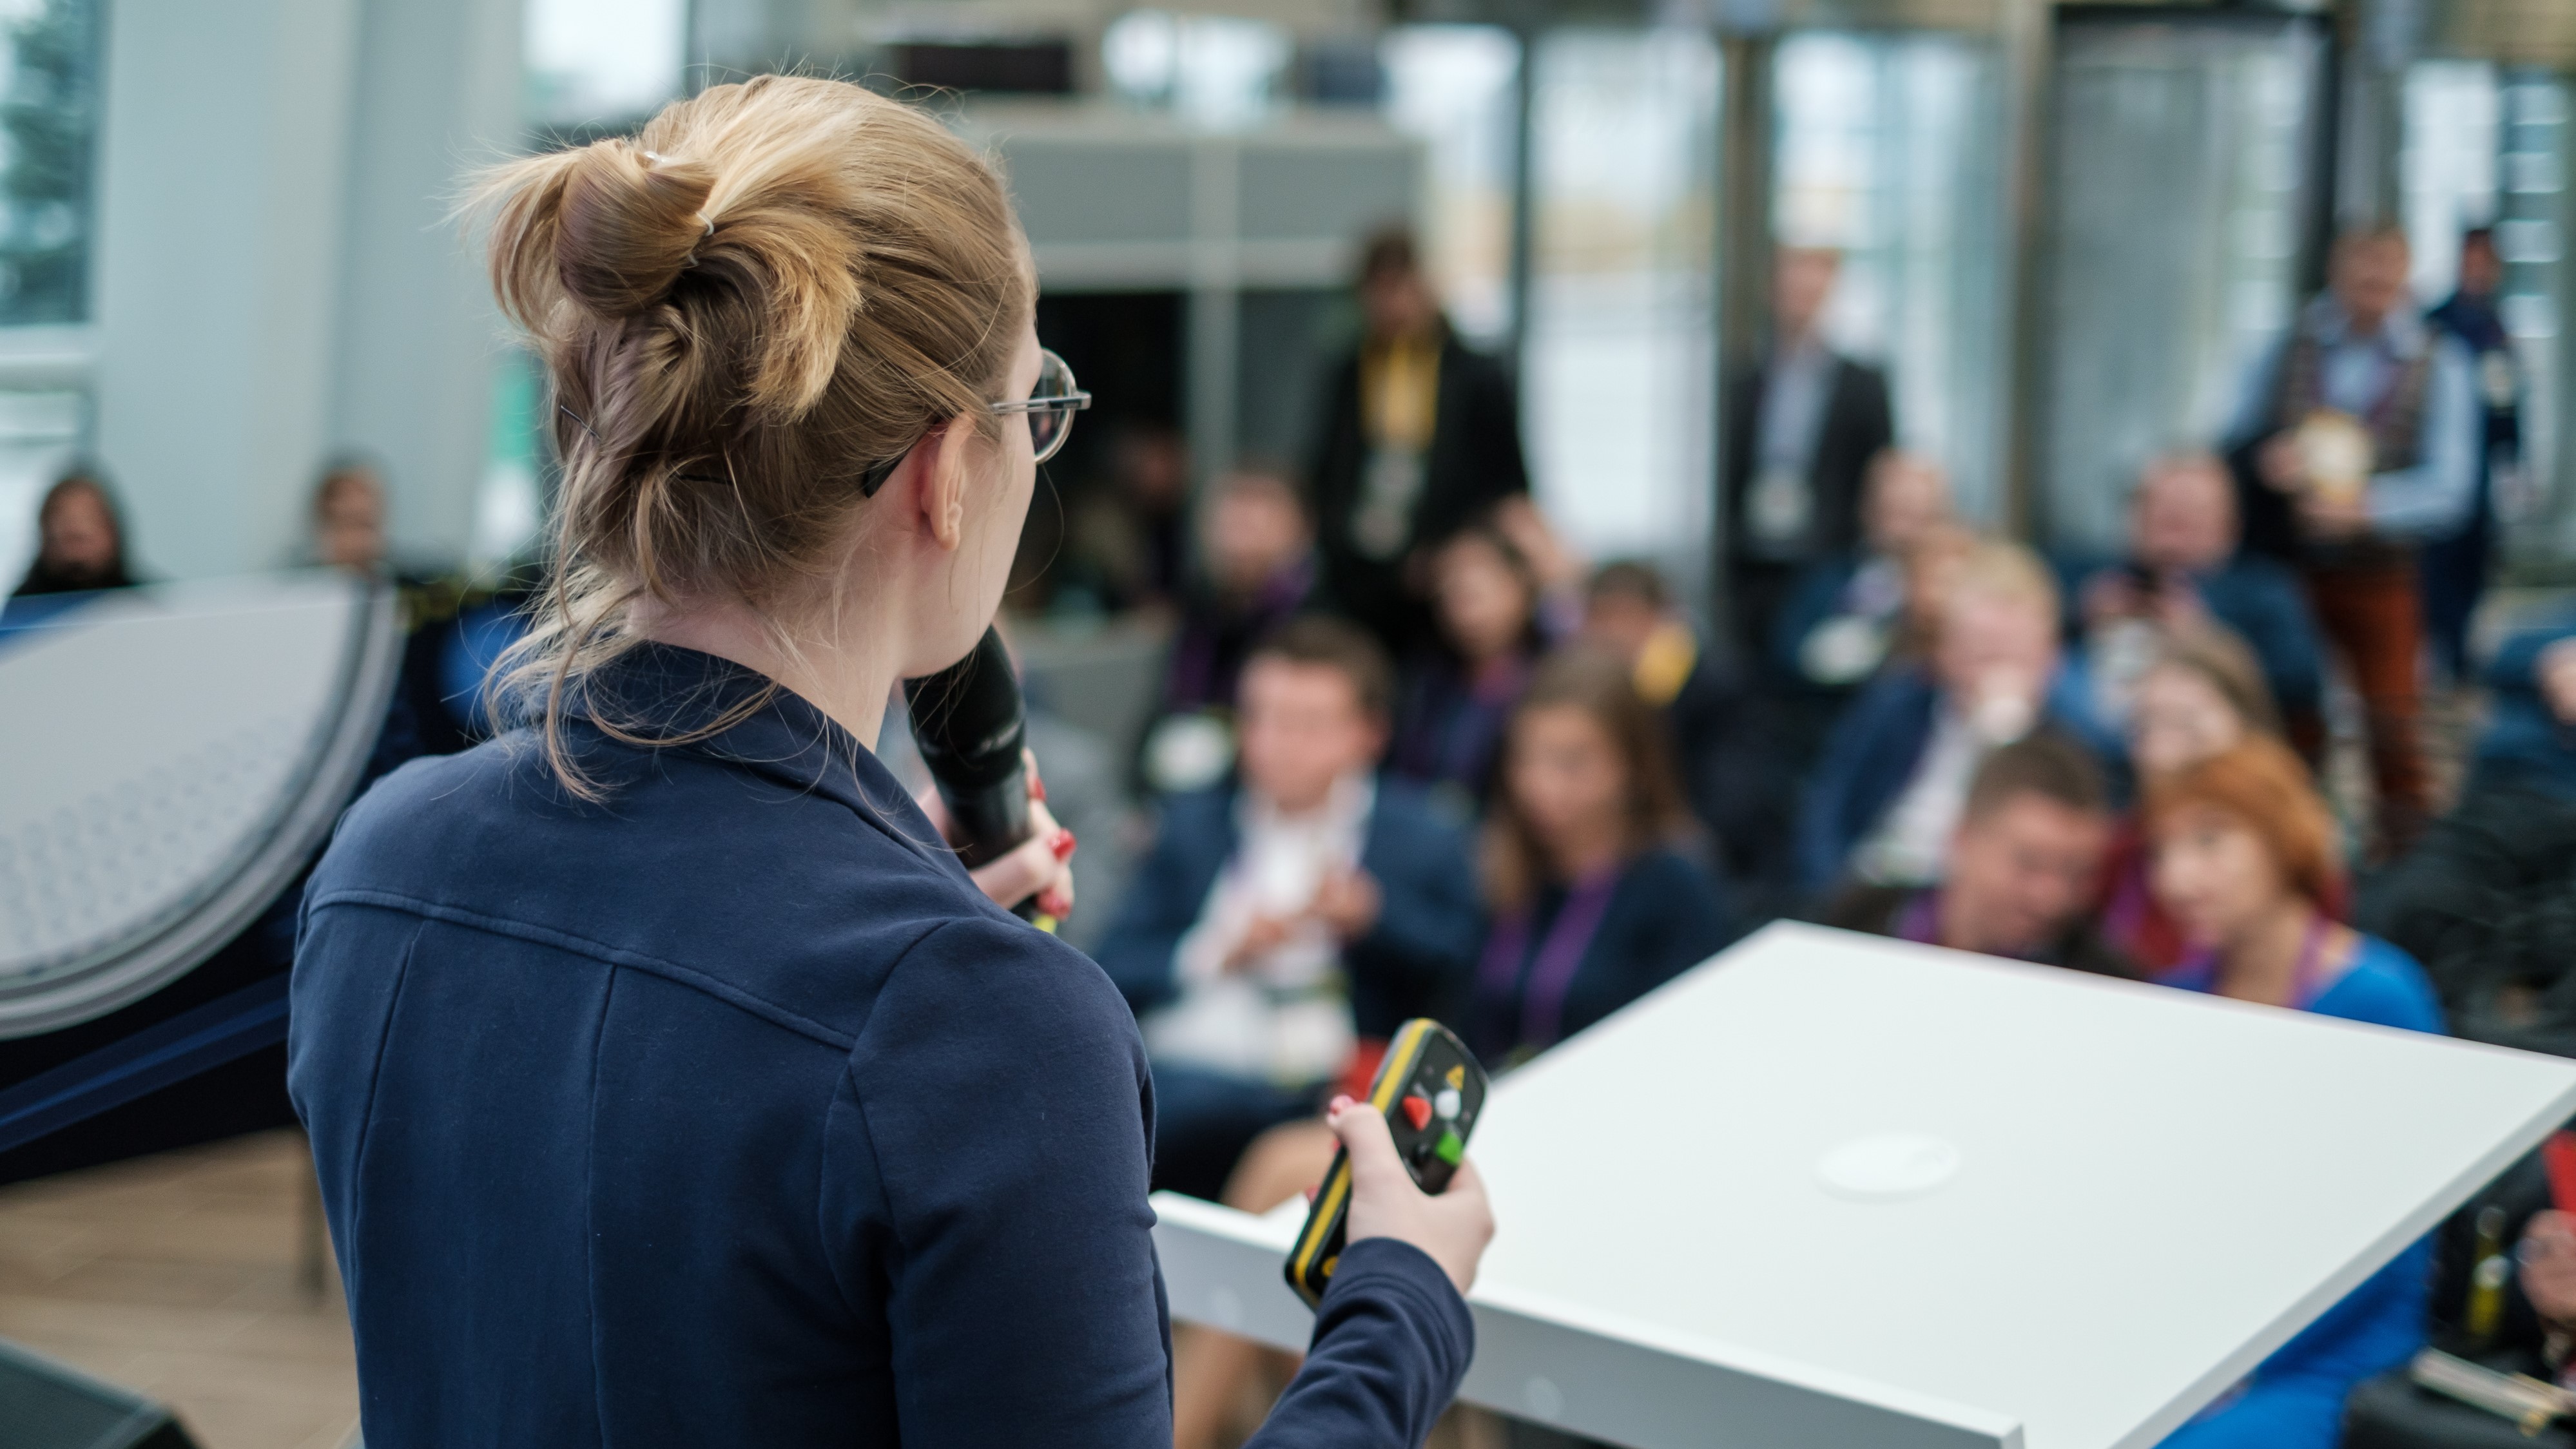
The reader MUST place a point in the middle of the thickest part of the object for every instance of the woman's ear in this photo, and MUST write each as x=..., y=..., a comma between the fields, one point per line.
x=942, y=457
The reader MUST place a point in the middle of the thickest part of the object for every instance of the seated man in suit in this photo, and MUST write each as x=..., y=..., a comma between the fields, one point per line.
x=2183, y=570
x=2022, y=870
x=1282, y=927
x=1846, y=615
x=1895, y=771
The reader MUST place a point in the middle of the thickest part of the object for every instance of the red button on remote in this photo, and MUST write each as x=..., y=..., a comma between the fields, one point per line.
x=1416, y=1111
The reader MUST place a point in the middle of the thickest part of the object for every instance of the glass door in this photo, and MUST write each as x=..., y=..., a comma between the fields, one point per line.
x=2176, y=199
x=1887, y=149
x=1619, y=356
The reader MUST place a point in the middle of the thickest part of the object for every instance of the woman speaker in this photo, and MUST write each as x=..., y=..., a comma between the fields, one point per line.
x=669, y=1080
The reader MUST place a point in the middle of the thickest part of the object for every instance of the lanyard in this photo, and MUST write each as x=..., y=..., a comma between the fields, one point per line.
x=1551, y=969
x=2200, y=973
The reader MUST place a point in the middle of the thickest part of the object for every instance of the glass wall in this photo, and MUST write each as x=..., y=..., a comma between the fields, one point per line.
x=1887, y=149
x=2486, y=146
x=1618, y=362
x=1453, y=87
x=2175, y=195
x=49, y=125
x=2534, y=159
x=599, y=63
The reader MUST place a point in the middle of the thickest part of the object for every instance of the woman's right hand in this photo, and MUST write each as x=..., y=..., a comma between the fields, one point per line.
x=1453, y=1227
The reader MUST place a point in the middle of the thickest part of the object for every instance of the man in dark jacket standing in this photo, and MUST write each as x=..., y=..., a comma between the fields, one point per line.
x=1420, y=434
x=1799, y=431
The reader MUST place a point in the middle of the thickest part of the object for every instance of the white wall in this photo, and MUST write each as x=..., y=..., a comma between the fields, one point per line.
x=222, y=170
x=274, y=281
x=438, y=93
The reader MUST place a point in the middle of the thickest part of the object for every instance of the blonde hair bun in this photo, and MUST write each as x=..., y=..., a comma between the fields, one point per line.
x=774, y=288
x=628, y=225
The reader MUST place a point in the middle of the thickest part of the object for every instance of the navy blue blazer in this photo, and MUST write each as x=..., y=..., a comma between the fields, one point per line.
x=1875, y=745
x=728, y=1112
x=1408, y=965
x=1666, y=915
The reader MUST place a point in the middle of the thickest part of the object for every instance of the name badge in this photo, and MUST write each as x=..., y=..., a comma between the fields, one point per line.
x=1390, y=485
x=1780, y=507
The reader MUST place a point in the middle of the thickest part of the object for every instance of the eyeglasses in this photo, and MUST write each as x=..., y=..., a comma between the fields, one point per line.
x=1050, y=407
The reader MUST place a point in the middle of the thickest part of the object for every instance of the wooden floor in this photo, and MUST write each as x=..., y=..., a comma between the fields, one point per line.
x=183, y=1277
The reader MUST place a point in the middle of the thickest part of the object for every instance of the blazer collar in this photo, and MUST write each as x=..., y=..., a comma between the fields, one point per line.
x=661, y=691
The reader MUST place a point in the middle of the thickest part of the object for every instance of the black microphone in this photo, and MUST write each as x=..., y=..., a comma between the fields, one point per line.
x=970, y=725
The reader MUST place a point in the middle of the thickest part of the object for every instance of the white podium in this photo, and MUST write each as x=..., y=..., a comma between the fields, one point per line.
x=1840, y=1192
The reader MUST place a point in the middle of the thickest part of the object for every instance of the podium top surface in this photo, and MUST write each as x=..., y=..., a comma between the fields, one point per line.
x=2085, y=1205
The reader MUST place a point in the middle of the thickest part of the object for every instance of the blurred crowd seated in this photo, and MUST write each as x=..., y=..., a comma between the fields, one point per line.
x=1409, y=754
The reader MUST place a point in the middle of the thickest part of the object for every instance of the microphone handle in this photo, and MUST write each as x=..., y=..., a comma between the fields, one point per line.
x=970, y=724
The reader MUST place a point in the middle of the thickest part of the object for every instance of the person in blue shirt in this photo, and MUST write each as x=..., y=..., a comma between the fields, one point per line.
x=2245, y=857
x=670, y=1082
x=1283, y=926
x=1894, y=774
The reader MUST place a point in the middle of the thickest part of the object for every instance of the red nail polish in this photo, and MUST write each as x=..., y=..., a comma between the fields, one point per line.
x=1062, y=845
x=1037, y=789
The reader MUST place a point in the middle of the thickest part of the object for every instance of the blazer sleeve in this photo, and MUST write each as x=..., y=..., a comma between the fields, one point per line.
x=1392, y=1340
x=992, y=1162
x=987, y=1163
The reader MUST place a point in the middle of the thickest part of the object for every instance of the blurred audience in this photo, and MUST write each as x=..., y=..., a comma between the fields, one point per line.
x=2201, y=695
x=1256, y=570
x=1419, y=434
x=2183, y=572
x=1257, y=566
x=1458, y=693
x=1280, y=923
x=80, y=540
x=2246, y=859
x=1799, y=429
x=2361, y=435
x=1846, y=613
x=1723, y=740
x=2023, y=866
x=1127, y=543
x=2455, y=563
x=349, y=519
x=2530, y=738
x=1593, y=905
x=1894, y=775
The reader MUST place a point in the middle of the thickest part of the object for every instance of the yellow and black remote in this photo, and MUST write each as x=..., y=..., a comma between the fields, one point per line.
x=1430, y=1090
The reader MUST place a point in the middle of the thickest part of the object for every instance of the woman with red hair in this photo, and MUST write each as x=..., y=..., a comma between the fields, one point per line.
x=2243, y=856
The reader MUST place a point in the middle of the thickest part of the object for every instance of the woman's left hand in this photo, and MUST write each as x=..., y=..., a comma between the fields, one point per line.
x=1039, y=866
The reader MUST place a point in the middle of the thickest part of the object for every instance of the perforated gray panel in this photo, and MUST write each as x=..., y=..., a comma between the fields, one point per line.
x=167, y=759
